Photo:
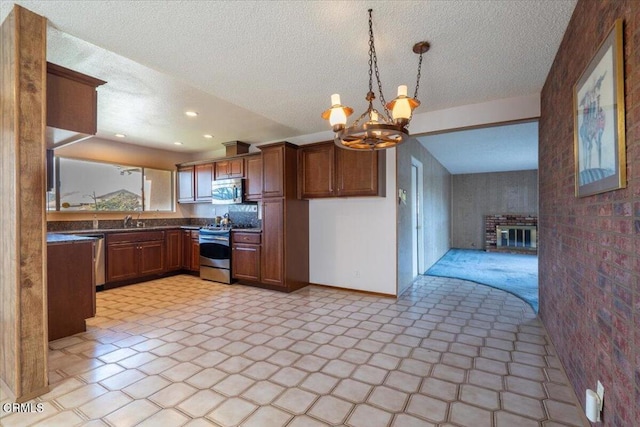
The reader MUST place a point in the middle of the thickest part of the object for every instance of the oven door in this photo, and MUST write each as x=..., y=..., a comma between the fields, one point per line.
x=215, y=250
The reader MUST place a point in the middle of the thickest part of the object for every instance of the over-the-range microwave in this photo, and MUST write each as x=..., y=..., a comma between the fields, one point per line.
x=227, y=191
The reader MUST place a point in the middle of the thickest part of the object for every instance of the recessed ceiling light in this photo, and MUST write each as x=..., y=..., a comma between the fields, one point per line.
x=120, y=135
x=208, y=136
x=191, y=113
x=177, y=143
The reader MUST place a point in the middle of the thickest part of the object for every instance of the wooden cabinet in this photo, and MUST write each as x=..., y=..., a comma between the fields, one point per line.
x=253, y=175
x=203, y=178
x=328, y=171
x=285, y=221
x=173, y=249
x=194, y=183
x=134, y=254
x=279, y=170
x=273, y=242
x=245, y=258
x=231, y=168
x=316, y=171
x=360, y=173
x=190, y=250
x=285, y=244
x=71, y=291
x=186, y=184
x=72, y=105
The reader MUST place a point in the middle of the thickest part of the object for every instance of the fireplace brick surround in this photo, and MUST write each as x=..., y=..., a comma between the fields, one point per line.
x=493, y=221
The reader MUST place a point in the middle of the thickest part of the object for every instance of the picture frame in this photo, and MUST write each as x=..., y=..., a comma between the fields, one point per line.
x=599, y=119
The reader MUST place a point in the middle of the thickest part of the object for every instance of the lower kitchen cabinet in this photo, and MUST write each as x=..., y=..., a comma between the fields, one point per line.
x=173, y=249
x=71, y=291
x=190, y=250
x=273, y=242
x=135, y=254
x=245, y=258
x=285, y=244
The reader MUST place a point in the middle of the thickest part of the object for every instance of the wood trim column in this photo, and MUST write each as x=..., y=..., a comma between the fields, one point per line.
x=23, y=296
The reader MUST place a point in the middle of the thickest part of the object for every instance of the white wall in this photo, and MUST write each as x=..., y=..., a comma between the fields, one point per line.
x=490, y=112
x=352, y=241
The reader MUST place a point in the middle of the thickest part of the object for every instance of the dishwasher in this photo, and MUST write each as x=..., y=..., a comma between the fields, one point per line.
x=98, y=258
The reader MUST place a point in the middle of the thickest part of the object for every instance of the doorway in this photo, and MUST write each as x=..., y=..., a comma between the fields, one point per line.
x=417, y=239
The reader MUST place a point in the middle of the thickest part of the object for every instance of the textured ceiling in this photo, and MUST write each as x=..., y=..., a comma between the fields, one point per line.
x=492, y=149
x=264, y=70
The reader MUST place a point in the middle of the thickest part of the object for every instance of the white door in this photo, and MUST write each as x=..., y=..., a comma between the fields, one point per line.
x=417, y=240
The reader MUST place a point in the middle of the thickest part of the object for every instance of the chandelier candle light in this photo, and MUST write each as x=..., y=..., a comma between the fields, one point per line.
x=374, y=130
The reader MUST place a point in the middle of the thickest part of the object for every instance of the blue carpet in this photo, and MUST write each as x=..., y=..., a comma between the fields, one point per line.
x=514, y=273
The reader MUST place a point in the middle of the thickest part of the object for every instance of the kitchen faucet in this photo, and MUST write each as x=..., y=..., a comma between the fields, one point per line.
x=127, y=220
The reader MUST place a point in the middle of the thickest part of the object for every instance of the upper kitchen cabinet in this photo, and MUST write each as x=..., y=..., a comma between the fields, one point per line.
x=194, y=183
x=203, y=178
x=327, y=171
x=317, y=170
x=253, y=175
x=279, y=170
x=231, y=168
x=186, y=184
x=360, y=173
x=72, y=106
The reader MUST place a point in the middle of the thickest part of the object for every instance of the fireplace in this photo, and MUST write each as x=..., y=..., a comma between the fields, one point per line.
x=511, y=233
x=517, y=237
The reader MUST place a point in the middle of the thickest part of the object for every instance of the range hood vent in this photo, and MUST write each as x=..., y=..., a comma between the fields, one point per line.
x=72, y=106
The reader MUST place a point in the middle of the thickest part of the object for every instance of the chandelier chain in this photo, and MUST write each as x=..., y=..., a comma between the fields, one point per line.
x=373, y=60
x=415, y=94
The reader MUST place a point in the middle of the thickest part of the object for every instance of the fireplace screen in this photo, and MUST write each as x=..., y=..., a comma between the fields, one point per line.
x=516, y=236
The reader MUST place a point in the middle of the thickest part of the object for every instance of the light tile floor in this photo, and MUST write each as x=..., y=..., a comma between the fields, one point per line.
x=182, y=351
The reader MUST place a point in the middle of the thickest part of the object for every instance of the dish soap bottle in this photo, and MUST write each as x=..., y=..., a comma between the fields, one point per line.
x=95, y=222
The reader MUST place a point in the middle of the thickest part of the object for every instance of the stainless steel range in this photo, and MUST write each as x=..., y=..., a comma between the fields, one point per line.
x=215, y=254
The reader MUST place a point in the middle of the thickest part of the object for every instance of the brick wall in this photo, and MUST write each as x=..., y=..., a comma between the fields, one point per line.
x=493, y=221
x=589, y=252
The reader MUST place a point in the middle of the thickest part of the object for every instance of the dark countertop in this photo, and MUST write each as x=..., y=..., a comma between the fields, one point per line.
x=73, y=235
x=247, y=230
x=129, y=229
x=66, y=238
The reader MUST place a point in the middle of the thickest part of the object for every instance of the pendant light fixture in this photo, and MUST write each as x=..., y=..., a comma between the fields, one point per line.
x=375, y=130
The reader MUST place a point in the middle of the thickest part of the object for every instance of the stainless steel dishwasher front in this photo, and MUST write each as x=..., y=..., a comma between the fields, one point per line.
x=98, y=258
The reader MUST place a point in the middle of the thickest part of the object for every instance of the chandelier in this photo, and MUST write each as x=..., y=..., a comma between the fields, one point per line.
x=376, y=130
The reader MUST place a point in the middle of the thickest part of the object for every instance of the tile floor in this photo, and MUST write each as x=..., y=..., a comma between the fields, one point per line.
x=182, y=351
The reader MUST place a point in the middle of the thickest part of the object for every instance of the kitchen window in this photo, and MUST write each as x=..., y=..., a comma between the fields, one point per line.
x=84, y=185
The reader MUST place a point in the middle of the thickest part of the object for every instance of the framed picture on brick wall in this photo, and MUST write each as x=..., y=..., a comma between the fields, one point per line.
x=599, y=127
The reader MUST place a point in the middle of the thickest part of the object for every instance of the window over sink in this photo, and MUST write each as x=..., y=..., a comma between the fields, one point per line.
x=87, y=185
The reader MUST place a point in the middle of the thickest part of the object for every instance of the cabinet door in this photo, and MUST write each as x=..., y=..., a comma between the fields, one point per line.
x=357, y=173
x=221, y=169
x=245, y=260
x=122, y=261
x=273, y=171
x=316, y=170
x=186, y=249
x=151, y=257
x=253, y=182
x=272, y=268
x=70, y=288
x=235, y=169
x=186, y=187
x=173, y=249
x=204, y=176
x=195, y=254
